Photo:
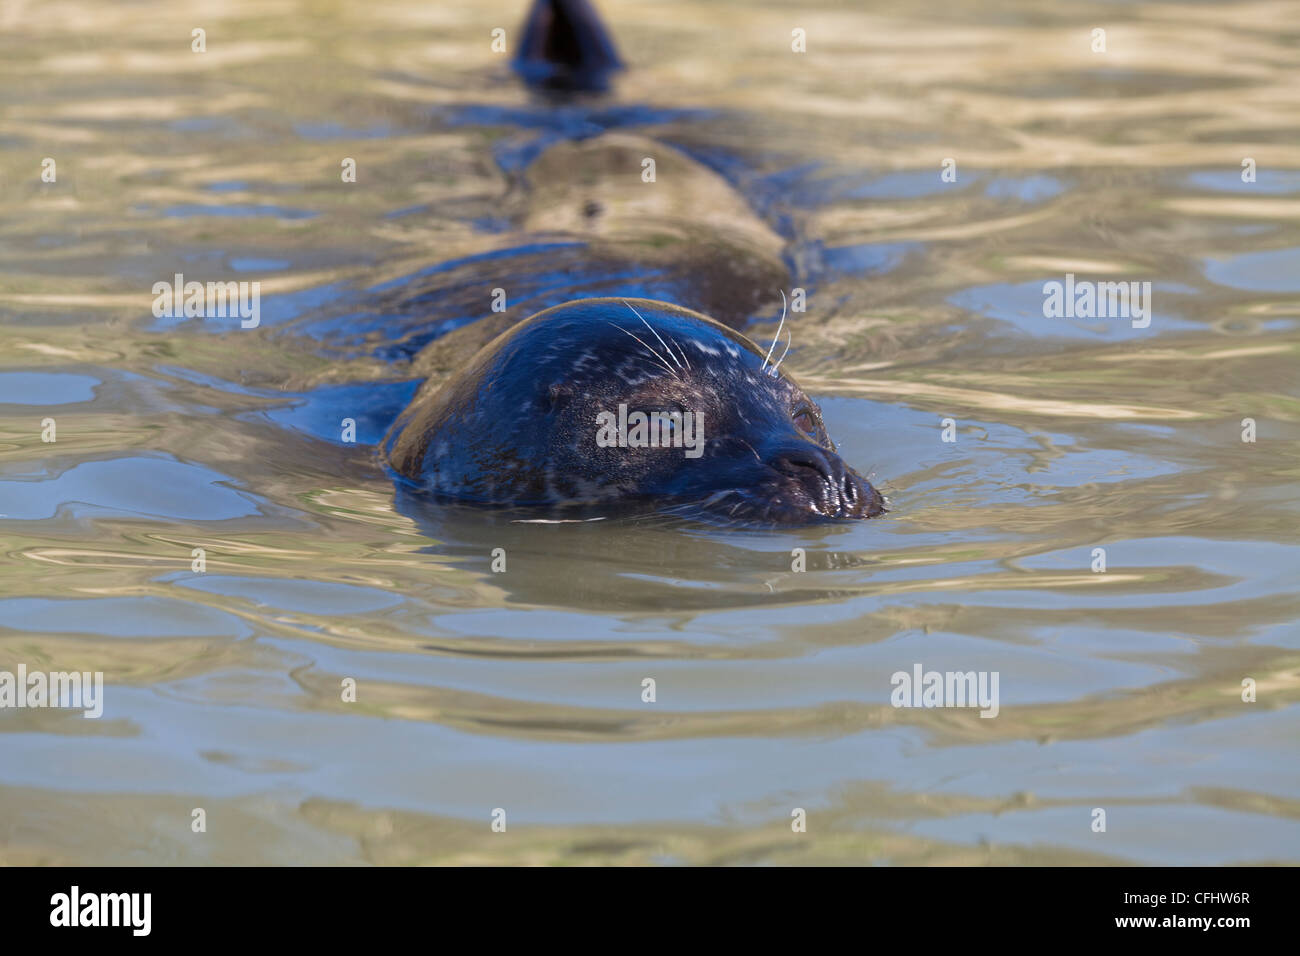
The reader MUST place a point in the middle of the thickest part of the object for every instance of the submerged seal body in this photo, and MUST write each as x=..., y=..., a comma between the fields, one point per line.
x=601, y=402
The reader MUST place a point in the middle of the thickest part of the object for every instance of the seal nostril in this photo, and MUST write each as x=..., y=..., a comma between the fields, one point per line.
x=817, y=475
x=799, y=465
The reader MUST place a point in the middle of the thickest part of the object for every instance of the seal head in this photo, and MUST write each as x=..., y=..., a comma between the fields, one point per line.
x=607, y=401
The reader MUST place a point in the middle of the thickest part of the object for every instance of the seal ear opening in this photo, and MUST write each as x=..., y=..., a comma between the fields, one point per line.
x=557, y=396
x=566, y=47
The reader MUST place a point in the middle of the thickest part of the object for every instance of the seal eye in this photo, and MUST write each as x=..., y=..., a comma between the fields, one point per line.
x=806, y=420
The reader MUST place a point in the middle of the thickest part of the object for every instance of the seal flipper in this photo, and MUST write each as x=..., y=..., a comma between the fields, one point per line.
x=566, y=47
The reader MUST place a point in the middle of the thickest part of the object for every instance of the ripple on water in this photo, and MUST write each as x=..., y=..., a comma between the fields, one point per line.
x=46, y=388
x=1277, y=270
x=154, y=486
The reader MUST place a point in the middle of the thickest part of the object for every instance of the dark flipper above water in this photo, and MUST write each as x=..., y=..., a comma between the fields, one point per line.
x=566, y=47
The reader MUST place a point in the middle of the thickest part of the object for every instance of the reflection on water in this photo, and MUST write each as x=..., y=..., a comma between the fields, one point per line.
x=476, y=689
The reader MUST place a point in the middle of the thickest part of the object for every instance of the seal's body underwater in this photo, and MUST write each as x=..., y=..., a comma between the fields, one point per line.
x=547, y=415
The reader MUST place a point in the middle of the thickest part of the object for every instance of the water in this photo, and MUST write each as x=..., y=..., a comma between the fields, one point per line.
x=476, y=690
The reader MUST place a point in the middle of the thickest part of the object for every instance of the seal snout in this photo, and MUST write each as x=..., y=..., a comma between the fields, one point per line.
x=814, y=479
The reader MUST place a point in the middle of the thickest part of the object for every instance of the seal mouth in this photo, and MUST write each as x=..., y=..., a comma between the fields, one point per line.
x=794, y=506
x=801, y=486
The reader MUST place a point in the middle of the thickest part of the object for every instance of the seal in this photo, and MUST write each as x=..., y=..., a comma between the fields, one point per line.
x=608, y=402
x=690, y=239
x=570, y=211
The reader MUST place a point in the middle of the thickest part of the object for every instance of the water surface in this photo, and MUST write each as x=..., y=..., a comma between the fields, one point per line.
x=521, y=690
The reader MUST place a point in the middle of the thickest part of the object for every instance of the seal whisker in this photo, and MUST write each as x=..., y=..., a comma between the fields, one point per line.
x=789, y=337
x=751, y=448
x=778, y=332
x=650, y=350
x=652, y=329
x=667, y=347
x=681, y=350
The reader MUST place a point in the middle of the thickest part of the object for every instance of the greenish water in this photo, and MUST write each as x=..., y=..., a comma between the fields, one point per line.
x=476, y=690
